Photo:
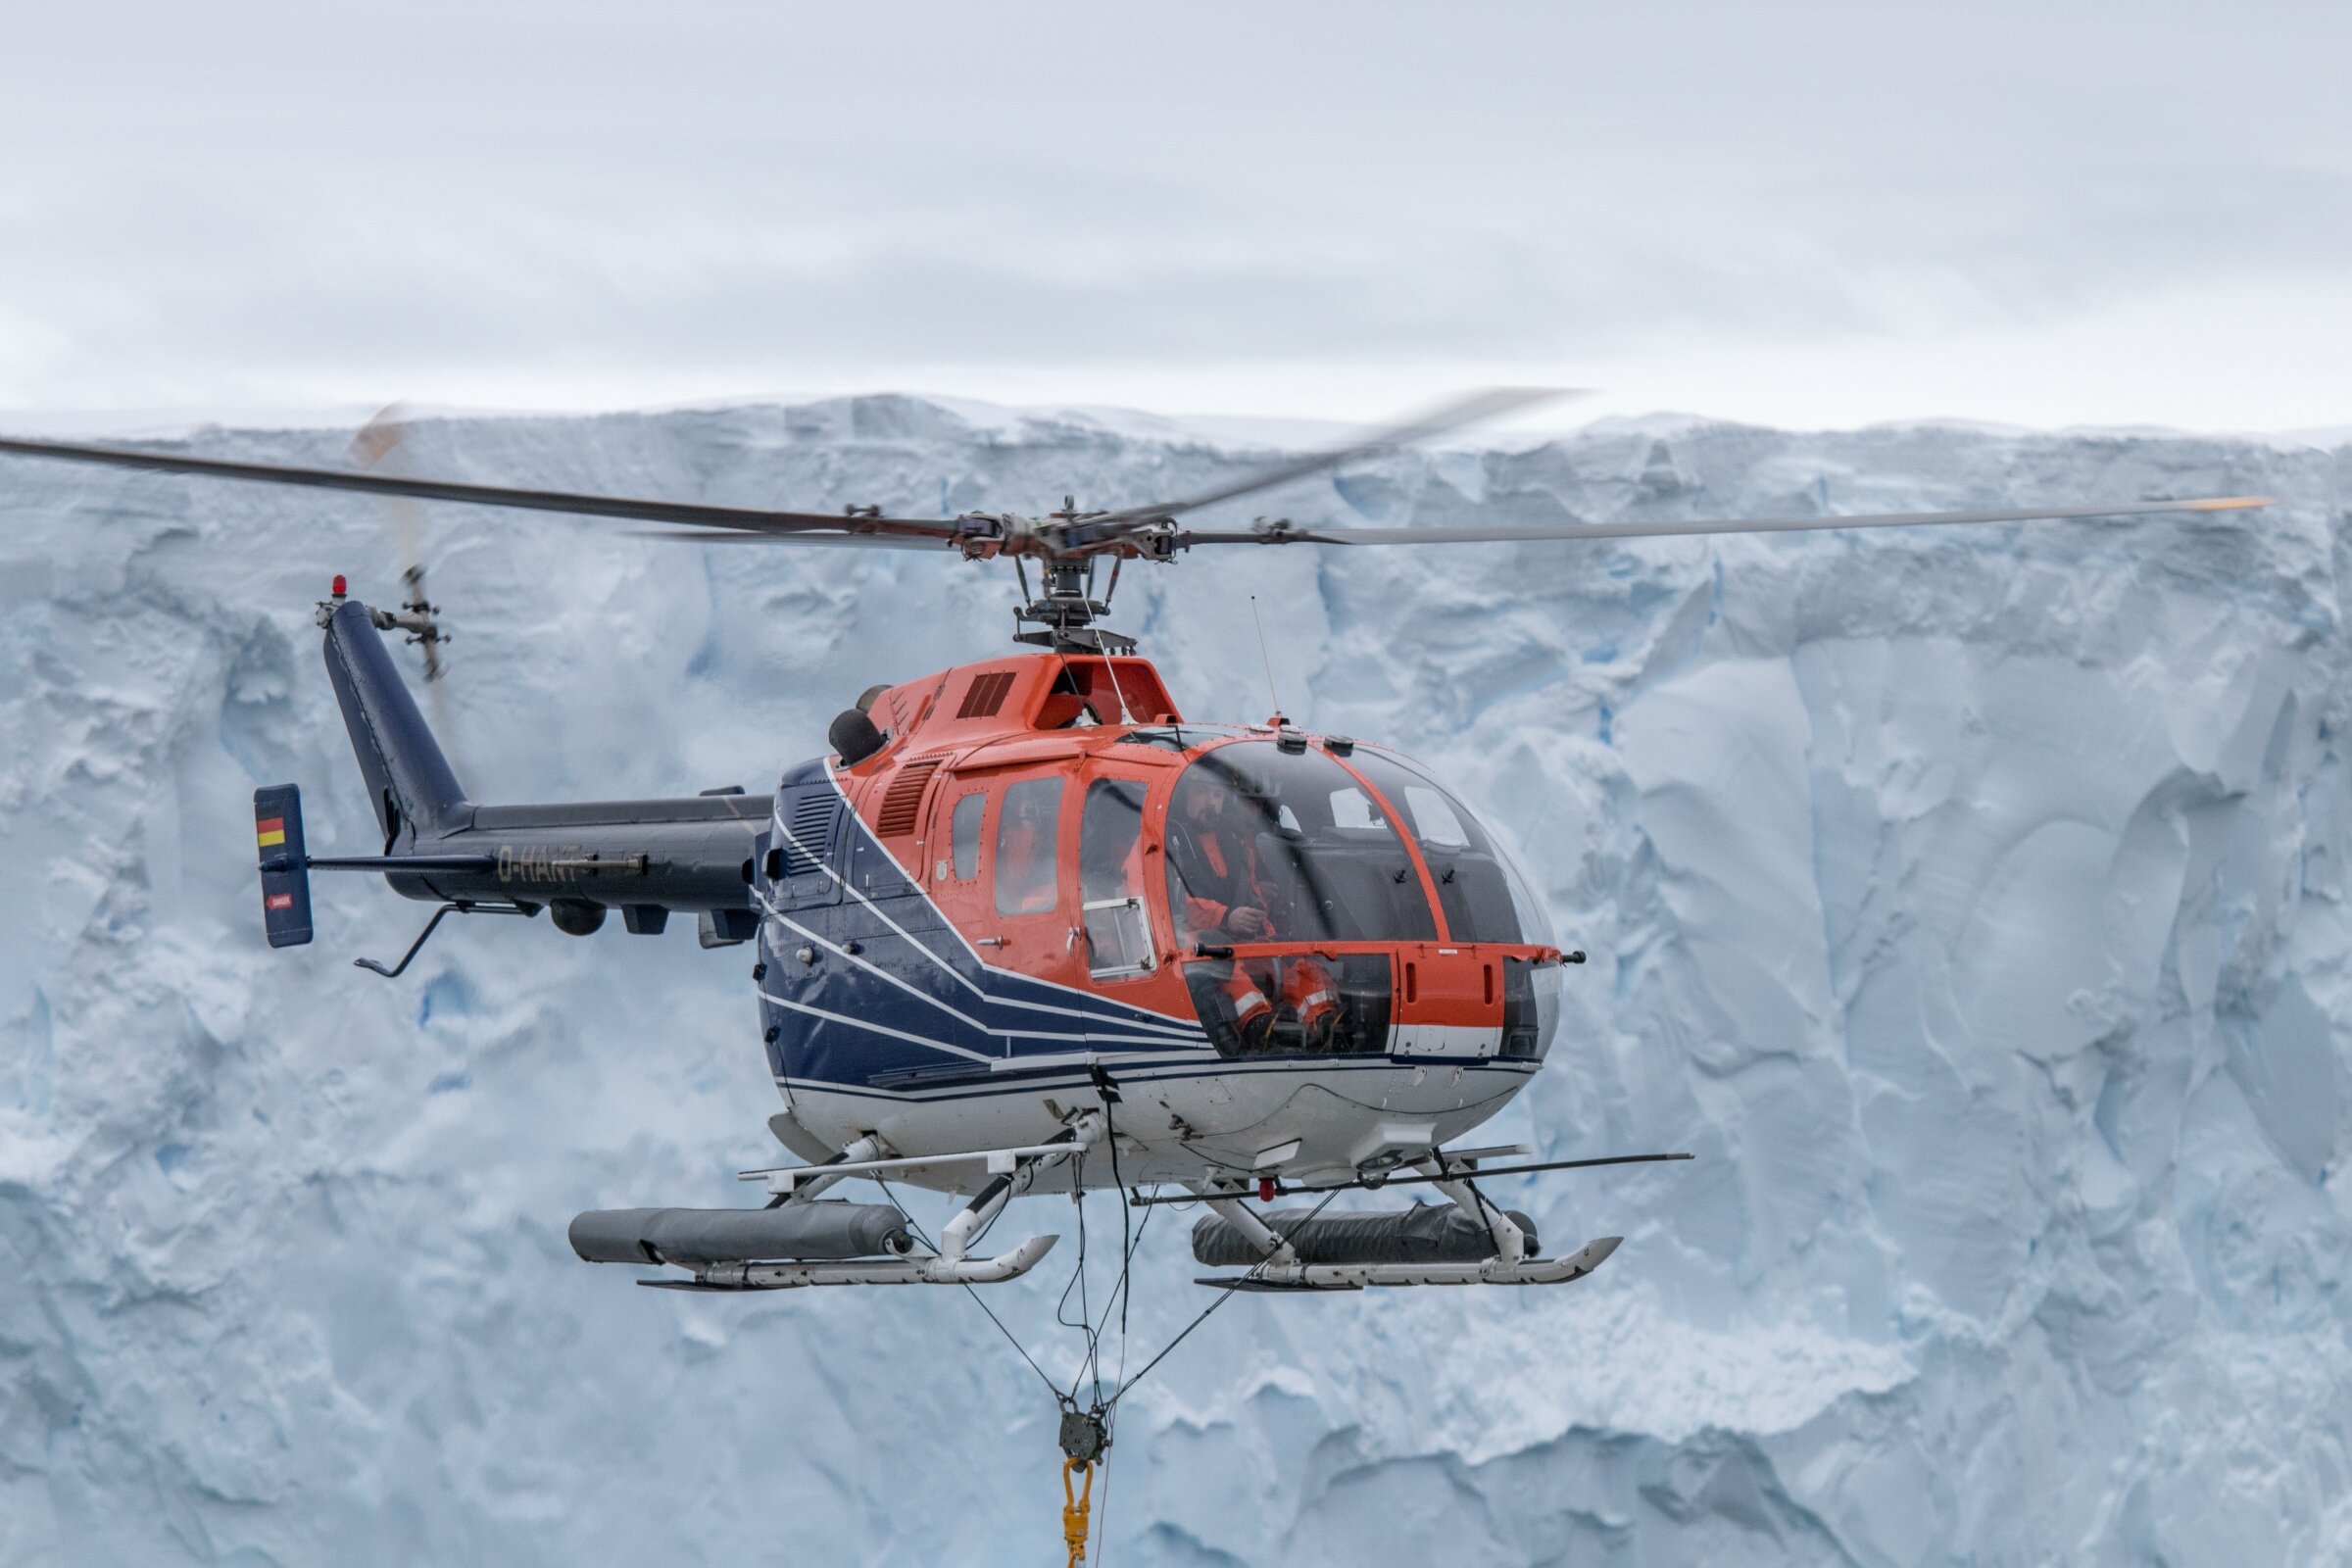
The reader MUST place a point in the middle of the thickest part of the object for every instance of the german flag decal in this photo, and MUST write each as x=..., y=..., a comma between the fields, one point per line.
x=285, y=873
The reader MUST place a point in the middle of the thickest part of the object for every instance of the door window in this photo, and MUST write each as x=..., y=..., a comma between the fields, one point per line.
x=1110, y=879
x=1478, y=886
x=1027, y=825
x=965, y=834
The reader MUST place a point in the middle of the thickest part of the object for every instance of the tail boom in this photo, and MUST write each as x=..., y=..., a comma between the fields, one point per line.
x=410, y=782
x=646, y=858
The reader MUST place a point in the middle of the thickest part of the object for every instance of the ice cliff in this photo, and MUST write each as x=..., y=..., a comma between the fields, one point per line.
x=1972, y=903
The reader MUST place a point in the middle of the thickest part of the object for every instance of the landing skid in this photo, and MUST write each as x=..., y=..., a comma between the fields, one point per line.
x=922, y=1270
x=800, y=1241
x=1277, y=1278
x=1479, y=1244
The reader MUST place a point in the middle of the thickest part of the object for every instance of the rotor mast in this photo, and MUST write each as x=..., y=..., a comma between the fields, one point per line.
x=1066, y=612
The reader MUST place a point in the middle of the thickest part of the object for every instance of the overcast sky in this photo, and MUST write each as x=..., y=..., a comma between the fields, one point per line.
x=1799, y=214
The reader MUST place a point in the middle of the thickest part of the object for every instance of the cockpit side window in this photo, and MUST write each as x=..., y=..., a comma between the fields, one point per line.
x=1477, y=881
x=1434, y=821
x=1352, y=807
x=1267, y=846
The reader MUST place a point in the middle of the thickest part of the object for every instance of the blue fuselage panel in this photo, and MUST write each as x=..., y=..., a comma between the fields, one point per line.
x=877, y=991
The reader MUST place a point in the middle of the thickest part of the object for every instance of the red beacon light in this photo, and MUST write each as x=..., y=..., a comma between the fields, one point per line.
x=339, y=589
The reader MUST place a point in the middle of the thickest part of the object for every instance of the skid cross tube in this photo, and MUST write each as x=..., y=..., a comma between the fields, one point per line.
x=999, y=1162
x=1373, y=1183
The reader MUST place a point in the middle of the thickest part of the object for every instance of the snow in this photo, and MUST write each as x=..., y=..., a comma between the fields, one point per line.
x=1973, y=904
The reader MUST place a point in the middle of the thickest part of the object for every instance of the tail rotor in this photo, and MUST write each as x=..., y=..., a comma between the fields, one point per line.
x=378, y=446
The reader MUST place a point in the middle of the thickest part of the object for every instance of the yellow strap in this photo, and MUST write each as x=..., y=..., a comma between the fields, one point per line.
x=1075, y=1503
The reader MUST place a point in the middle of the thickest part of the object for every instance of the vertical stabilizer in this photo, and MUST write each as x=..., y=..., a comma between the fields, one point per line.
x=409, y=780
x=285, y=872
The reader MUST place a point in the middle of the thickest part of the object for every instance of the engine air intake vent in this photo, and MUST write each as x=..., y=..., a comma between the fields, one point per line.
x=811, y=830
x=902, y=803
x=986, y=694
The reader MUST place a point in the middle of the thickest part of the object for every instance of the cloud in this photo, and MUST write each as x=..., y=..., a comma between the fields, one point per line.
x=595, y=204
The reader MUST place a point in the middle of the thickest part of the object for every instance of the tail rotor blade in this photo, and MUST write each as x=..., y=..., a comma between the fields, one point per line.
x=380, y=447
x=377, y=447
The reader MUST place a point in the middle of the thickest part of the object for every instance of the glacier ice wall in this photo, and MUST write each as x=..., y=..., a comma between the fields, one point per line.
x=1972, y=903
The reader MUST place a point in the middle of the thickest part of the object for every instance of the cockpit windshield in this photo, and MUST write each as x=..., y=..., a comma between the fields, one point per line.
x=1271, y=845
x=1485, y=896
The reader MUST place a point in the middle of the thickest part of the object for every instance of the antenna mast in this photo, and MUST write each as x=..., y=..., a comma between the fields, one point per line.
x=1271, y=694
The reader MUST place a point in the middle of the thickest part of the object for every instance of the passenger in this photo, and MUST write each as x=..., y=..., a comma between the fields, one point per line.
x=1025, y=851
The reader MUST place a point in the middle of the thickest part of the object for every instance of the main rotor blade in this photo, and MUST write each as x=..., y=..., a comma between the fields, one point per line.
x=726, y=536
x=750, y=519
x=1491, y=403
x=1507, y=533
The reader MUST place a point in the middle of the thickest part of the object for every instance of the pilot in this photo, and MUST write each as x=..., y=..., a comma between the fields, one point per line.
x=1224, y=895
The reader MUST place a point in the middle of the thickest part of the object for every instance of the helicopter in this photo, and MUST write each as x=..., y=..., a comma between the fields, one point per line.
x=1028, y=927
